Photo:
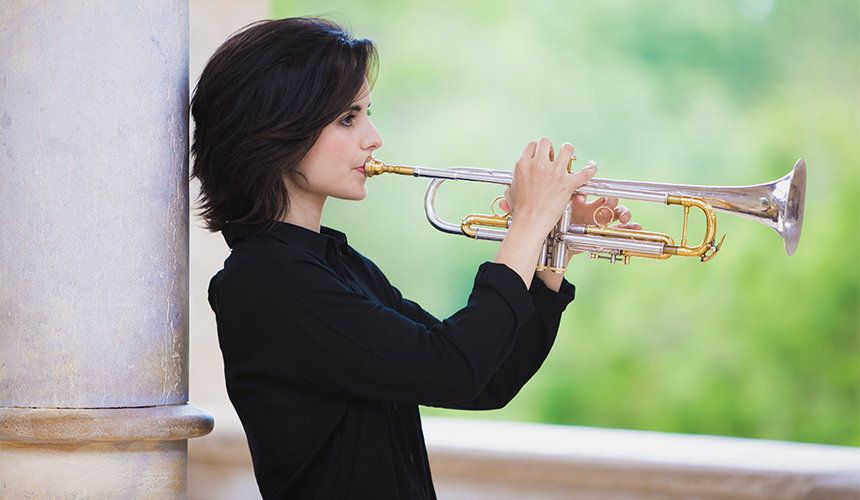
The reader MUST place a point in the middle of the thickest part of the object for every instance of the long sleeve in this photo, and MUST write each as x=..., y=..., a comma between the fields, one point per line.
x=535, y=338
x=307, y=324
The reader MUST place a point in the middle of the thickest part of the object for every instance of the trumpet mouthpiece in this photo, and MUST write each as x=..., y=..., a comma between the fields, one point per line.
x=375, y=167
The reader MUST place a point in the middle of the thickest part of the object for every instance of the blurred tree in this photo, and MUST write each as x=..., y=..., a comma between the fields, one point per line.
x=753, y=343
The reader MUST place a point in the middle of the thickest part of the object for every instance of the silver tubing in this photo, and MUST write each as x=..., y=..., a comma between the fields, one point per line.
x=430, y=209
x=559, y=247
x=602, y=244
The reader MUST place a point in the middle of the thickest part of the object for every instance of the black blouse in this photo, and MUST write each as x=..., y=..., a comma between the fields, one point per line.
x=326, y=362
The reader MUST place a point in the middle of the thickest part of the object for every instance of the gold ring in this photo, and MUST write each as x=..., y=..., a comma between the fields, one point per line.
x=611, y=216
x=493, y=207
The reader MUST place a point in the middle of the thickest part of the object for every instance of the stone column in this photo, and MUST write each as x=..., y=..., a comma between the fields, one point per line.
x=94, y=250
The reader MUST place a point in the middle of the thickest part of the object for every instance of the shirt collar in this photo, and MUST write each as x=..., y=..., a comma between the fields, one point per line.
x=317, y=243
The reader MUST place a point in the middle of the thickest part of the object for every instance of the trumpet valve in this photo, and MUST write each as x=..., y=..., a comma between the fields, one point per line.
x=559, y=247
x=545, y=256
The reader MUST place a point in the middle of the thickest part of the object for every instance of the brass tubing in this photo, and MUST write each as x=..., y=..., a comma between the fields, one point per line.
x=481, y=220
x=708, y=242
x=628, y=233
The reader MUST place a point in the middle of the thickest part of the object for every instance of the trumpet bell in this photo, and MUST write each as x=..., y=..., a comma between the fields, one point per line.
x=778, y=204
x=789, y=224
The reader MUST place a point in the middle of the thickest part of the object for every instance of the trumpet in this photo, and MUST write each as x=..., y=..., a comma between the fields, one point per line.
x=778, y=205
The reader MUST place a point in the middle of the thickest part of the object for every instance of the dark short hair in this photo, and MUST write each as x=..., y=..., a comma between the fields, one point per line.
x=260, y=105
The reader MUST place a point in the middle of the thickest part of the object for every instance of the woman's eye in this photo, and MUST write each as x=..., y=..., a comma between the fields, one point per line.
x=347, y=120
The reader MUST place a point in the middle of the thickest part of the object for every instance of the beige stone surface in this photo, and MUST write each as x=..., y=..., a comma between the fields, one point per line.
x=211, y=22
x=98, y=470
x=85, y=425
x=219, y=465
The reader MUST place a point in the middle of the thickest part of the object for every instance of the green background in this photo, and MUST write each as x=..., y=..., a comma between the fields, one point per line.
x=711, y=92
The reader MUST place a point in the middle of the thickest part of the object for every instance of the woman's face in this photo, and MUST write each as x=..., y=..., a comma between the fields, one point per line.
x=335, y=164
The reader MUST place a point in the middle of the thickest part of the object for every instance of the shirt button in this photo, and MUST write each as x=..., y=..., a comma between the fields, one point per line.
x=396, y=407
x=411, y=458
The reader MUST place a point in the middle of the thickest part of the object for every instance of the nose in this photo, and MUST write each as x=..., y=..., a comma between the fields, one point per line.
x=372, y=139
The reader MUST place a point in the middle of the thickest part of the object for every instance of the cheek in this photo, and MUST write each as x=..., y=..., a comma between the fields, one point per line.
x=331, y=136
x=335, y=147
x=319, y=158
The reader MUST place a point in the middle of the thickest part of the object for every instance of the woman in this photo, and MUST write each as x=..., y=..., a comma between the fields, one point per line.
x=325, y=361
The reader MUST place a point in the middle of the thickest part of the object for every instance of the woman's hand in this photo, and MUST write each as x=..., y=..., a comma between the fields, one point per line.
x=539, y=193
x=541, y=186
x=601, y=212
x=593, y=213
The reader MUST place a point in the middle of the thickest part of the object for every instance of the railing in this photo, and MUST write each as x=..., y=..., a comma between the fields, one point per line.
x=476, y=459
x=479, y=459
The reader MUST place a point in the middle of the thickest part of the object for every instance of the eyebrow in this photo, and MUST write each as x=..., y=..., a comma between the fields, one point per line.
x=357, y=107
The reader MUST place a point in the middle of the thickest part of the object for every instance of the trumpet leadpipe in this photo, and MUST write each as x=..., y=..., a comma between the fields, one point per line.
x=374, y=167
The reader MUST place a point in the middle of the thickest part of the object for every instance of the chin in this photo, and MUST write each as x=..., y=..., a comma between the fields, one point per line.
x=356, y=196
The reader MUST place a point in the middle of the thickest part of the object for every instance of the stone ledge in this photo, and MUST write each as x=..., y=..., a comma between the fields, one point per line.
x=613, y=463
x=85, y=425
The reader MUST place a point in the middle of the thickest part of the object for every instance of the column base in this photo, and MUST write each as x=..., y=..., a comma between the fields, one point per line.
x=97, y=453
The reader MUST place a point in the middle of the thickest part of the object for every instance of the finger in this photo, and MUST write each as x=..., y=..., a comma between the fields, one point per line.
x=606, y=204
x=503, y=204
x=529, y=151
x=629, y=225
x=623, y=215
x=579, y=179
x=610, y=203
x=599, y=202
x=565, y=153
x=602, y=215
x=544, y=149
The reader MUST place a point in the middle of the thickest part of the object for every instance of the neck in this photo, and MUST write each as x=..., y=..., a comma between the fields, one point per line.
x=305, y=214
x=305, y=208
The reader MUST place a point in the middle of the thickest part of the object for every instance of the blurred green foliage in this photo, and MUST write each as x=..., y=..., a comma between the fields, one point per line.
x=753, y=343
